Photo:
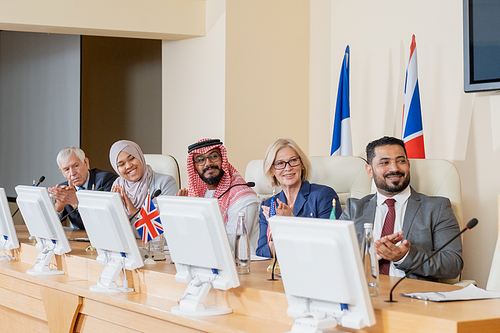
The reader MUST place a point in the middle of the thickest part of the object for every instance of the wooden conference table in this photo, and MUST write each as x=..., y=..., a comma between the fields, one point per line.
x=63, y=303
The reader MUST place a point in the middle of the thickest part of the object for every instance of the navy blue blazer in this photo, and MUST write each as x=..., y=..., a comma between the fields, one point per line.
x=102, y=181
x=313, y=200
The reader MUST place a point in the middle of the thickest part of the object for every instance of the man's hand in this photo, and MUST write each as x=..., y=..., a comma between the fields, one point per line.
x=387, y=249
x=129, y=206
x=183, y=192
x=64, y=195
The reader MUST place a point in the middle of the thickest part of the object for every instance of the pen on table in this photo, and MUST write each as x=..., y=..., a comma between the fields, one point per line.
x=79, y=240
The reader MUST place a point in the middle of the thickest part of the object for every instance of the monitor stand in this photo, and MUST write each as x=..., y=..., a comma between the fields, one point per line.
x=191, y=303
x=44, y=258
x=6, y=257
x=107, y=279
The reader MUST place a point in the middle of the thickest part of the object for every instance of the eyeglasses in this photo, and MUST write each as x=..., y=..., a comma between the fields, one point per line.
x=201, y=159
x=293, y=162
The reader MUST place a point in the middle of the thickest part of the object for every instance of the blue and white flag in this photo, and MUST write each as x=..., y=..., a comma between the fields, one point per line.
x=341, y=139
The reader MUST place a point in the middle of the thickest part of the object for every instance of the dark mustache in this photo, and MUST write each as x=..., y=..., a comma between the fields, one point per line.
x=210, y=167
x=396, y=173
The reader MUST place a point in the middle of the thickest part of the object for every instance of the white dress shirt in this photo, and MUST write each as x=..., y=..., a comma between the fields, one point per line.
x=380, y=213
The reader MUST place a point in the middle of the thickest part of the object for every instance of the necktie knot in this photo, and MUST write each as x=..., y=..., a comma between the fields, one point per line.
x=390, y=202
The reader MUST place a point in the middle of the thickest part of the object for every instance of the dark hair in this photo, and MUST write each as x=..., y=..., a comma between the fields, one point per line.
x=385, y=141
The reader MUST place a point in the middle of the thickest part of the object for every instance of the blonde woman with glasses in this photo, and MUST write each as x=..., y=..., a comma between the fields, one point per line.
x=286, y=165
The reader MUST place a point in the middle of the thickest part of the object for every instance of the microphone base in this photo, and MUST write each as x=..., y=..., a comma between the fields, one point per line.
x=389, y=301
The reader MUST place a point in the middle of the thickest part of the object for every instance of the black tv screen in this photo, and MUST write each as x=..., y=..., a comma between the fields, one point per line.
x=481, y=45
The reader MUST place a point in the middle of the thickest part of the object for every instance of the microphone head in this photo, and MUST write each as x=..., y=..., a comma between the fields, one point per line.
x=41, y=179
x=157, y=193
x=472, y=223
x=250, y=184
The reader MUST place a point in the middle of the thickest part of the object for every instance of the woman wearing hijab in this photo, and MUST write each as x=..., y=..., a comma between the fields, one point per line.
x=136, y=177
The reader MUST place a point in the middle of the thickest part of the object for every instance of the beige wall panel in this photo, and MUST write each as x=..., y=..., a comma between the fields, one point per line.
x=267, y=77
x=156, y=19
x=194, y=88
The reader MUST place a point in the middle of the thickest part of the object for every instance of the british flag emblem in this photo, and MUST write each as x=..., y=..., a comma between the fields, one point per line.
x=148, y=222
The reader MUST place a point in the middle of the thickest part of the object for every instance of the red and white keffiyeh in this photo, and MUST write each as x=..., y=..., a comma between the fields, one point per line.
x=197, y=187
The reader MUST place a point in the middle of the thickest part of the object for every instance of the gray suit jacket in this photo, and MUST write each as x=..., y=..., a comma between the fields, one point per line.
x=428, y=224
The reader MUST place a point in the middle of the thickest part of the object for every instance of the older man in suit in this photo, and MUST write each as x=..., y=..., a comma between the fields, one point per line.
x=75, y=167
x=407, y=226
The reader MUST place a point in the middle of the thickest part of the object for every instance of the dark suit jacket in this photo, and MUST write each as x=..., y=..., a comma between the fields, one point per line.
x=428, y=224
x=102, y=181
x=313, y=200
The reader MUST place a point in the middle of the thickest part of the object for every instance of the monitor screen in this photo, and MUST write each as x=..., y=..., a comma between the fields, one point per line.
x=110, y=232
x=40, y=217
x=198, y=245
x=8, y=234
x=481, y=45
x=43, y=223
x=320, y=264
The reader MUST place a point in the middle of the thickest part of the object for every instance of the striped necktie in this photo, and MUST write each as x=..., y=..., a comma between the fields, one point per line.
x=388, y=229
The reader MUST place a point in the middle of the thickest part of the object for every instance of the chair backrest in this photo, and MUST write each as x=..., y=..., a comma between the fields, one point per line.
x=435, y=177
x=166, y=164
x=345, y=174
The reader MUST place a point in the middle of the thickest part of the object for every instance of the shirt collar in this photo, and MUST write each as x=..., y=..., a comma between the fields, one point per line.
x=86, y=184
x=401, y=197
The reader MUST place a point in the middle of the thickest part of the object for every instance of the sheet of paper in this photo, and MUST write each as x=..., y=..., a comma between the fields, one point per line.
x=257, y=258
x=470, y=292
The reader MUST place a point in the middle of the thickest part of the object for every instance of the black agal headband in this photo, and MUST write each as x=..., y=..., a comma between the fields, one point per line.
x=204, y=144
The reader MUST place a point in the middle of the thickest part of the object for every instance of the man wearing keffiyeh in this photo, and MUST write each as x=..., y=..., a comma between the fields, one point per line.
x=210, y=175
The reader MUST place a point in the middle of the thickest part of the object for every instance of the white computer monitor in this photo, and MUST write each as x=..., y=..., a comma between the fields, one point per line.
x=42, y=222
x=199, y=247
x=320, y=265
x=8, y=236
x=109, y=231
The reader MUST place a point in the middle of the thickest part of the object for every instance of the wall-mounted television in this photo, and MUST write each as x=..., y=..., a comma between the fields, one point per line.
x=481, y=45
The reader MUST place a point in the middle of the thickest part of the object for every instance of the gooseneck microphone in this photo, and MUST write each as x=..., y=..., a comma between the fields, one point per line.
x=472, y=223
x=249, y=184
x=155, y=194
x=39, y=182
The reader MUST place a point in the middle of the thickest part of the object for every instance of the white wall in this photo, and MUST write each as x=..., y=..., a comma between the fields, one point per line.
x=457, y=126
x=194, y=87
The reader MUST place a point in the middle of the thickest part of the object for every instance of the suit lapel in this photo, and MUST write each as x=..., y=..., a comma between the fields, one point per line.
x=411, y=210
x=370, y=209
x=301, y=199
x=368, y=214
x=91, y=180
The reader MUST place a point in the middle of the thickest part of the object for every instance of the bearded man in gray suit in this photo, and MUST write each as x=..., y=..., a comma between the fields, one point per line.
x=421, y=223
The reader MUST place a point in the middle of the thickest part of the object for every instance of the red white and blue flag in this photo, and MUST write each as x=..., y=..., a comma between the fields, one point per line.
x=341, y=138
x=413, y=130
x=148, y=222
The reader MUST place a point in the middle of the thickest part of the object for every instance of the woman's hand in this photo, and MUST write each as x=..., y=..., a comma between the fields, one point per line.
x=126, y=200
x=283, y=209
